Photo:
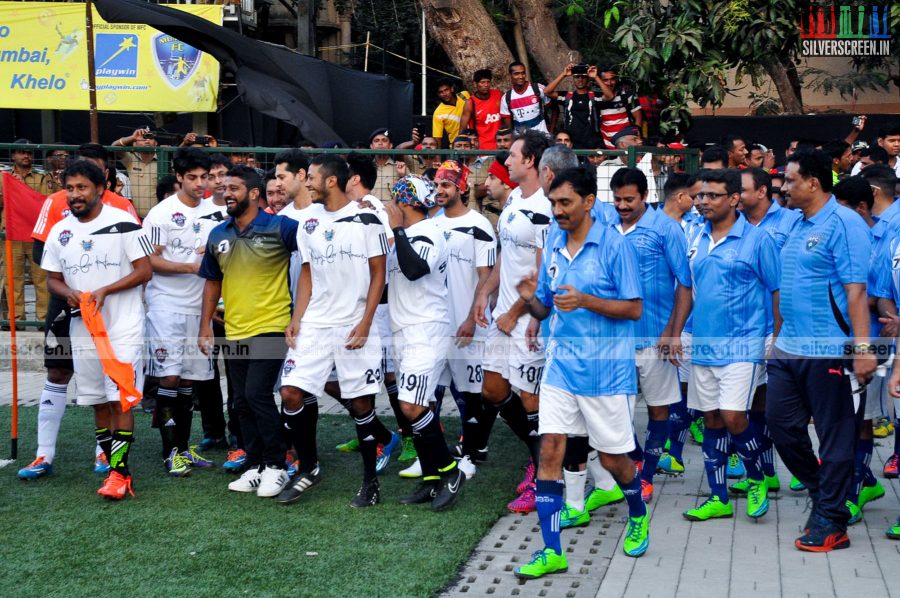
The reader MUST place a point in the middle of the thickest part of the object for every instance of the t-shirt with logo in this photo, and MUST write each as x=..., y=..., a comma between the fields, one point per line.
x=486, y=114
x=615, y=114
x=421, y=301
x=337, y=246
x=56, y=207
x=472, y=245
x=525, y=108
x=94, y=254
x=181, y=230
x=252, y=265
x=522, y=229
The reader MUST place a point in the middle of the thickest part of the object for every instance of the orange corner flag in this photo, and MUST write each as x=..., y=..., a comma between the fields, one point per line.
x=120, y=372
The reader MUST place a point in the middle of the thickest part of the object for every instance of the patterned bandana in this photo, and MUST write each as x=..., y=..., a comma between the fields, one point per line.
x=414, y=191
x=456, y=173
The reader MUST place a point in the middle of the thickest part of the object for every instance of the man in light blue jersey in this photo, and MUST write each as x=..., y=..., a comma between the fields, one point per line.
x=589, y=283
x=826, y=319
x=760, y=210
x=734, y=270
x=661, y=248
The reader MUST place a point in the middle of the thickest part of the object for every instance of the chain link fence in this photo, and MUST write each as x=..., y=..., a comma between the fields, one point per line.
x=144, y=175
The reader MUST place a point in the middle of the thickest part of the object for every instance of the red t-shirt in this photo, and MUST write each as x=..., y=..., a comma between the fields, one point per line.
x=487, y=119
x=56, y=207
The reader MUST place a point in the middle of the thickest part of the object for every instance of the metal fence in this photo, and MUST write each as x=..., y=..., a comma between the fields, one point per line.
x=144, y=169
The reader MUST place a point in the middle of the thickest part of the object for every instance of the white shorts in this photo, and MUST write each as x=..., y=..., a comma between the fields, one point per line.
x=93, y=386
x=510, y=357
x=684, y=369
x=172, y=347
x=605, y=420
x=420, y=354
x=464, y=366
x=762, y=376
x=383, y=326
x=877, y=397
x=319, y=350
x=729, y=387
x=658, y=378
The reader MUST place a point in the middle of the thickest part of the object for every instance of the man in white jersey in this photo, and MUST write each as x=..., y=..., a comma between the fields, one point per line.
x=522, y=107
x=178, y=227
x=343, y=249
x=473, y=252
x=417, y=294
x=363, y=175
x=509, y=364
x=101, y=251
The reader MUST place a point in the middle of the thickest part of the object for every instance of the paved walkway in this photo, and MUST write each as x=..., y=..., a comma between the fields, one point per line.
x=733, y=557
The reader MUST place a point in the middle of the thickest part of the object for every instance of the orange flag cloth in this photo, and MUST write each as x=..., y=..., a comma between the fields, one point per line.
x=120, y=372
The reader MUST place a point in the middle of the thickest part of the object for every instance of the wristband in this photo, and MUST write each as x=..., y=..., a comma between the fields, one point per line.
x=863, y=348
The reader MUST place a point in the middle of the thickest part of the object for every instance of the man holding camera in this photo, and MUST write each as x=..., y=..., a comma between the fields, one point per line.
x=142, y=168
x=580, y=106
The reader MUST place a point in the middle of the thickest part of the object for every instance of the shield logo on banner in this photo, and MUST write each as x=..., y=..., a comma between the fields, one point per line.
x=175, y=60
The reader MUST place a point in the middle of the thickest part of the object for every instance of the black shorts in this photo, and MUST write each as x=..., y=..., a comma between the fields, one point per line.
x=57, y=346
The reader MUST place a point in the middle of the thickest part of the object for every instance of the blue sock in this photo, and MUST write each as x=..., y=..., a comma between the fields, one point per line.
x=549, y=503
x=715, y=458
x=653, y=447
x=632, y=492
x=868, y=446
x=748, y=450
x=766, y=448
x=638, y=453
x=679, y=422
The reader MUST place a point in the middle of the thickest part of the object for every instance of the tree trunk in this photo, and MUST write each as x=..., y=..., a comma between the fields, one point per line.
x=468, y=35
x=545, y=44
x=519, y=36
x=790, y=99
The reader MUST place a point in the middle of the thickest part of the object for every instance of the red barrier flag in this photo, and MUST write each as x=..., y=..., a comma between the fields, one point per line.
x=22, y=205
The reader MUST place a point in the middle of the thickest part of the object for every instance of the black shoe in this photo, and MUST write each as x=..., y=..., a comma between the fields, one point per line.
x=426, y=492
x=823, y=535
x=369, y=495
x=448, y=494
x=300, y=483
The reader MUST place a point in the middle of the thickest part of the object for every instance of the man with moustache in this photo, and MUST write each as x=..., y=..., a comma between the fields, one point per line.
x=246, y=264
x=102, y=251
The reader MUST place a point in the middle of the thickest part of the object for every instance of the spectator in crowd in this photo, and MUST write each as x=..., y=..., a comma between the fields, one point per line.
x=482, y=111
x=627, y=137
x=620, y=107
x=563, y=137
x=504, y=138
x=447, y=117
x=142, y=167
x=714, y=157
x=524, y=105
x=54, y=163
x=839, y=150
x=736, y=147
x=888, y=140
x=389, y=170
x=580, y=106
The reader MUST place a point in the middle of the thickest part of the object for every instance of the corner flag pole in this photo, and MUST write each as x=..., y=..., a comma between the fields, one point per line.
x=14, y=352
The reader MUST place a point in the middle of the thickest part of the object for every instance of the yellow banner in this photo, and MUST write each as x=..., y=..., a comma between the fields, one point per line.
x=43, y=62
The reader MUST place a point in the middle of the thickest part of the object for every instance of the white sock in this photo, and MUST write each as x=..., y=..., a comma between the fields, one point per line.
x=50, y=413
x=602, y=478
x=575, y=481
x=98, y=450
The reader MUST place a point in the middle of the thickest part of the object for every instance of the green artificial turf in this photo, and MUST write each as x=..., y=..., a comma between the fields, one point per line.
x=192, y=537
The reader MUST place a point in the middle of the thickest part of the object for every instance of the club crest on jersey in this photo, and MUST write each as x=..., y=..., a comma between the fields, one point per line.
x=447, y=235
x=66, y=212
x=289, y=366
x=812, y=241
x=161, y=354
x=329, y=235
x=87, y=245
x=511, y=217
x=65, y=237
x=179, y=218
x=258, y=242
x=196, y=227
x=310, y=225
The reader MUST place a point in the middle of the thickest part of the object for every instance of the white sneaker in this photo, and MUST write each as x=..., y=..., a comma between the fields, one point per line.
x=274, y=480
x=248, y=481
x=413, y=471
x=467, y=467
